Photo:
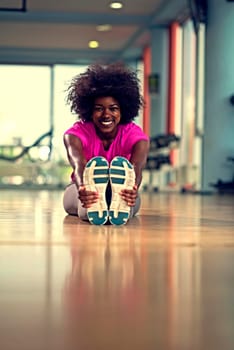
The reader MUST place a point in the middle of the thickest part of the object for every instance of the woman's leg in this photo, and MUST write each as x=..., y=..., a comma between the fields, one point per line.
x=72, y=204
x=136, y=207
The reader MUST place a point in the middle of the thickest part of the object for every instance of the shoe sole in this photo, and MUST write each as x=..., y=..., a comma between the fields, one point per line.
x=96, y=177
x=122, y=176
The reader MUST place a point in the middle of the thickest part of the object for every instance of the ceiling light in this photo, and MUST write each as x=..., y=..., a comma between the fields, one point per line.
x=93, y=44
x=116, y=5
x=104, y=28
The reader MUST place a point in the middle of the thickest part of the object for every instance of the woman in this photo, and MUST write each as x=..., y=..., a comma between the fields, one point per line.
x=105, y=148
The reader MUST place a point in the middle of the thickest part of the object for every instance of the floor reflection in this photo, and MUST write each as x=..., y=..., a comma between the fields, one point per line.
x=151, y=296
x=163, y=281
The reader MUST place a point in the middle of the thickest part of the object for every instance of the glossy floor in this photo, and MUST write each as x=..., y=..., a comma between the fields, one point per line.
x=163, y=281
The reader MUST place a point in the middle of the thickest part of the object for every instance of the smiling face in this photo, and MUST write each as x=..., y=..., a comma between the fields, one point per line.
x=106, y=116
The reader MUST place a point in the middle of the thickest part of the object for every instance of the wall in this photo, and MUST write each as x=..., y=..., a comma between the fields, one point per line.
x=219, y=78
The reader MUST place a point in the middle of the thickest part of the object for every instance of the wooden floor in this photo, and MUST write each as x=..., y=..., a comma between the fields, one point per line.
x=164, y=281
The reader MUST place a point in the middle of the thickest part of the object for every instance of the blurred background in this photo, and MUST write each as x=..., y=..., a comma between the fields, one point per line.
x=183, y=52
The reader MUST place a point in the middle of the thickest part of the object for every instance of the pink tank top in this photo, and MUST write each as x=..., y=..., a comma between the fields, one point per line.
x=127, y=136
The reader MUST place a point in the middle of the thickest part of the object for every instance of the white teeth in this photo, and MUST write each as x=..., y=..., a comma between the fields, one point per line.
x=106, y=123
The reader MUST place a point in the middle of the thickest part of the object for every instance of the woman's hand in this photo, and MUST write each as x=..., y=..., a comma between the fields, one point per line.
x=87, y=198
x=129, y=196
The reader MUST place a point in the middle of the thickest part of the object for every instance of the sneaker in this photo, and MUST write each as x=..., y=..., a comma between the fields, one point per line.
x=96, y=177
x=122, y=176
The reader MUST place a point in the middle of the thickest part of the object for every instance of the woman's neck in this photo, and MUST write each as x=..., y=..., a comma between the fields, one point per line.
x=107, y=138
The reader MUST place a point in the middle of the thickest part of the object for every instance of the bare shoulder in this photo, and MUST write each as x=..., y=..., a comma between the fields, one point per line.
x=142, y=145
x=71, y=140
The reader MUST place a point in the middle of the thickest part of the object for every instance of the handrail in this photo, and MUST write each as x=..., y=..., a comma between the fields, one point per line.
x=26, y=149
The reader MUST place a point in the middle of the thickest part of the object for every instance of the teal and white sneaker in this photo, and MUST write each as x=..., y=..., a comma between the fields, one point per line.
x=122, y=176
x=96, y=178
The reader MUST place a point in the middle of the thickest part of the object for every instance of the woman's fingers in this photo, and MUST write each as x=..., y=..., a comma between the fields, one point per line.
x=129, y=196
x=87, y=198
